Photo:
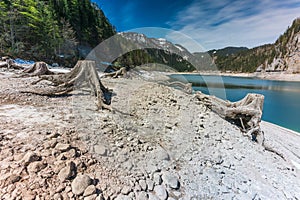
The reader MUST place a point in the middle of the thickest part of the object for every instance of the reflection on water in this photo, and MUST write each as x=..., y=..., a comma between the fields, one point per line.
x=281, y=105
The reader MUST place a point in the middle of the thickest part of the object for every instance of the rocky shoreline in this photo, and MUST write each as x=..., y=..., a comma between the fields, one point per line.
x=157, y=143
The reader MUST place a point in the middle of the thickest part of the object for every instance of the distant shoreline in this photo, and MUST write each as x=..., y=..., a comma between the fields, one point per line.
x=274, y=76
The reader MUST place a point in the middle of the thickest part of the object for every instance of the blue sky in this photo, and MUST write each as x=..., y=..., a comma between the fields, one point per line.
x=211, y=23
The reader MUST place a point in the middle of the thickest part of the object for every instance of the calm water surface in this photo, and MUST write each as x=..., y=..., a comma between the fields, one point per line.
x=282, y=99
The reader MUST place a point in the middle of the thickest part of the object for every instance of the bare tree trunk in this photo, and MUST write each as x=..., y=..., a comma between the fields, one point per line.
x=84, y=73
x=245, y=113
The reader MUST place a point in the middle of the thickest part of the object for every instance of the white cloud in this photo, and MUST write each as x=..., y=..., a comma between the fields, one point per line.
x=235, y=23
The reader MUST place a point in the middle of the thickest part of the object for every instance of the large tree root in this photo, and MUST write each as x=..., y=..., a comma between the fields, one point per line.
x=83, y=74
x=121, y=72
x=9, y=64
x=246, y=113
x=37, y=69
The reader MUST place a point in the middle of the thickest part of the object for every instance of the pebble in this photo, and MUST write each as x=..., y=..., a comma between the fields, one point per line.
x=62, y=147
x=170, y=180
x=90, y=190
x=57, y=196
x=100, y=149
x=123, y=197
x=143, y=185
x=157, y=178
x=152, y=197
x=67, y=172
x=80, y=183
x=161, y=192
x=91, y=197
x=142, y=196
x=30, y=157
x=150, y=184
x=126, y=190
x=36, y=166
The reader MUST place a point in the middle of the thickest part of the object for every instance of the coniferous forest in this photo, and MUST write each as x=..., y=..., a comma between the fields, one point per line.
x=51, y=30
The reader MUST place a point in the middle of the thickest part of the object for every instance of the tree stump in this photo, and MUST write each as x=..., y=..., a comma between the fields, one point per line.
x=37, y=69
x=83, y=74
x=245, y=113
x=9, y=63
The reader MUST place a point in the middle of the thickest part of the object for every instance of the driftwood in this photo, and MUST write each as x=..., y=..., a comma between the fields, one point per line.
x=9, y=64
x=245, y=113
x=121, y=72
x=83, y=74
x=186, y=87
x=37, y=69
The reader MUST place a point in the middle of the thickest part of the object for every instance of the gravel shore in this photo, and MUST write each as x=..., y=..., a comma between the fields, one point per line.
x=156, y=143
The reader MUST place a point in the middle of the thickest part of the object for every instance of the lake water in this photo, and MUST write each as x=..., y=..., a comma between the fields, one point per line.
x=282, y=99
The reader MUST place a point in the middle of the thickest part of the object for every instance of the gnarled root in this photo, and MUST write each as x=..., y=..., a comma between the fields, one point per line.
x=83, y=74
x=9, y=64
x=246, y=113
x=37, y=69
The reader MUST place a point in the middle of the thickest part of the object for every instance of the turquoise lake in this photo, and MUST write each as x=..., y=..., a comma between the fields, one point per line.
x=282, y=98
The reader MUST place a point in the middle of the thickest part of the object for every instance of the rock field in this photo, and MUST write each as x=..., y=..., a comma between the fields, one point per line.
x=156, y=143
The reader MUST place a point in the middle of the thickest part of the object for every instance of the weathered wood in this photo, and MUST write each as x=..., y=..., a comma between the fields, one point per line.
x=9, y=63
x=84, y=73
x=186, y=87
x=120, y=73
x=245, y=113
x=37, y=69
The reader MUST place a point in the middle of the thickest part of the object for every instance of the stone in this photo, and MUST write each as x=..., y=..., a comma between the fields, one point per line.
x=67, y=172
x=171, y=198
x=36, y=166
x=126, y=190
x=150, y=184
x=142, y=196
x=100, y=149
x=100, y=197
x=80, y=183
x=57, y=196
x=123, y=197
x=143, y=185
x=90, y=190
x=161, y=192
x=170, y=180
x=152, y=197
x=30, y=157
x=161, y=154
x=157, y=178
x=62, y=147
x=91, y=197
x=12, y=179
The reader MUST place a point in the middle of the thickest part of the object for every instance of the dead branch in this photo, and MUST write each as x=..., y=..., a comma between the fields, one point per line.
x=121, y=72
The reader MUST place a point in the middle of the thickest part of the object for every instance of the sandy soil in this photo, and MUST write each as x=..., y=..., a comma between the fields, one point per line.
x=157, y=143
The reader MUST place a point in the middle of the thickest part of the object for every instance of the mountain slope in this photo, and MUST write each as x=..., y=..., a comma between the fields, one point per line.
x=283, y=55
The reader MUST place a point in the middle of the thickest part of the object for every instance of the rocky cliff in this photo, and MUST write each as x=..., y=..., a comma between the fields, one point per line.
x=283, y=55
x=287, y=49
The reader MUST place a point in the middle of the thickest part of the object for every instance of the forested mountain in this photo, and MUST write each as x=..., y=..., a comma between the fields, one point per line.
x=283, y=55
x=50, y=30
